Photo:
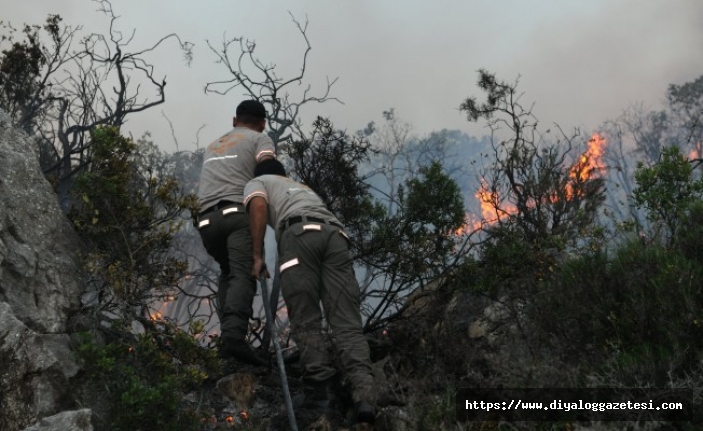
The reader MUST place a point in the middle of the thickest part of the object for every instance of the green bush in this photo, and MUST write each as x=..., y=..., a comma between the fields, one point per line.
x=143, y=378
x=507, y=260
x=688, y=237
x=127, y=216
x=666, y=190
x=642, y=310
x=439, y=412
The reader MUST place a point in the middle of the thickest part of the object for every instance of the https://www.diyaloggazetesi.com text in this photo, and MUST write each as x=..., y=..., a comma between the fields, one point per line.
x=540, y=404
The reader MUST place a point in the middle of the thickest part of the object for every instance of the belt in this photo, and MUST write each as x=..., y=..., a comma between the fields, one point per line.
x=299, y=219
x=218, y=206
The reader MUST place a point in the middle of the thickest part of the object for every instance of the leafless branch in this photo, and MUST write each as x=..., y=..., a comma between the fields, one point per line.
x=260, y=81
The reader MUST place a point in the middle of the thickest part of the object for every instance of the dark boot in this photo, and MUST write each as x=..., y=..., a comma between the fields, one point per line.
x=241, y=351
x=364, y=413
x=320, y=396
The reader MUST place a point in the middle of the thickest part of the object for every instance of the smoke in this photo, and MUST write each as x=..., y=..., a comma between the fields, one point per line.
x=584, y=69
x=581, y=62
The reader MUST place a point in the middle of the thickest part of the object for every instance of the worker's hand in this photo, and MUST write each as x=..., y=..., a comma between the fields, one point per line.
x=259, y=268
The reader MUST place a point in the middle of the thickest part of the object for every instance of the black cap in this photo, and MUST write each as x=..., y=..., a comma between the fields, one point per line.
x=253, y=108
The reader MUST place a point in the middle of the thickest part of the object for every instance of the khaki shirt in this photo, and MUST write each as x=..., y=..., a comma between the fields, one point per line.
x=286, y=198
x=229, y=163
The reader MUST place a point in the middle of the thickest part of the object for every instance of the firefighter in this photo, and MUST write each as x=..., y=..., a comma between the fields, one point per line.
x=316, y=267
x=228, y=165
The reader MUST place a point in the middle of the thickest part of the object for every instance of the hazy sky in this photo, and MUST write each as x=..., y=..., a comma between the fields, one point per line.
x=581, y=61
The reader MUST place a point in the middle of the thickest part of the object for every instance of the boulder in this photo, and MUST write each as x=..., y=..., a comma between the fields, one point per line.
x=39, y=266
x=40, y=288
x=76, y=420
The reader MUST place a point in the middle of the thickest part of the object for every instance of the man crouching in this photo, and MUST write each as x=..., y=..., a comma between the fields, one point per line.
x=316, y=266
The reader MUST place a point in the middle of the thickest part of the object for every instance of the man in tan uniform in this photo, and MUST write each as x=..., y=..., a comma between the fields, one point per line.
x=316, y=266
x=228, y=165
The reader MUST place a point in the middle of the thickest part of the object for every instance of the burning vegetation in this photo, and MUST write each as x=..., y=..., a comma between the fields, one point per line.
x=495, y=206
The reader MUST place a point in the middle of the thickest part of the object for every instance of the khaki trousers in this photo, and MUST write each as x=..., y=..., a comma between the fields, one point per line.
x=228, y=240
x=316, y=266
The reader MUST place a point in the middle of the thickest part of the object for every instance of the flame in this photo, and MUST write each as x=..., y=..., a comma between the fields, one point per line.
x=493, y=208
x=158, y=314
x=588, y=163
x=592, y=159
x=229, y=419
x=162, y=307
x=244, y=415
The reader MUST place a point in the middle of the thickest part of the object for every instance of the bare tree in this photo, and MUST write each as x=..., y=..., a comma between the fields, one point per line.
x=413, y=246
x=259, y=80
x=533, y=183
x=398, y=154
x=686, y=105
x=637, y=135
x=619, y=158
x=392, y=141
x=75, y=86
x=640, y=135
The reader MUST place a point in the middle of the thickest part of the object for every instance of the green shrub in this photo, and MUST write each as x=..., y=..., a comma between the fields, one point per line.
x=439, y=412
x=666, y=190
x=143, y=378
x=642, y=311
x=127, y=215
x=507, y=258
x=688, y=237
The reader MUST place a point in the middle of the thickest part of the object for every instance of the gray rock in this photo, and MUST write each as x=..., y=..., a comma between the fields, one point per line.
x=39, y=266
x=5, y=120
x=40, y=287
x=395, y=419
x=76, y=420
x=36, y=373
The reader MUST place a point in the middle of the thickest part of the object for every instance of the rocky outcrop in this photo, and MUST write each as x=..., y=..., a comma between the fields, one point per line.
x=40, y=287
x=78, y=420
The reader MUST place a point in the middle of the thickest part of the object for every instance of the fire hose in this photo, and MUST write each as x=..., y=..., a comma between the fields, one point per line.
x=271, y=324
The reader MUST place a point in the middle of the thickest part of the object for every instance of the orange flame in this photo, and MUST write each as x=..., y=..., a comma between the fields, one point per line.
x=244, y=415
x=468, y=226
x=590, y=162
x=493, y=209
x=592, y=159
x=156, y=315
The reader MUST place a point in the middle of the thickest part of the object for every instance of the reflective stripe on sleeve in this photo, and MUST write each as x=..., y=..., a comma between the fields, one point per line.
x=248, y=197
x=265, y=153
x=288, y=264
